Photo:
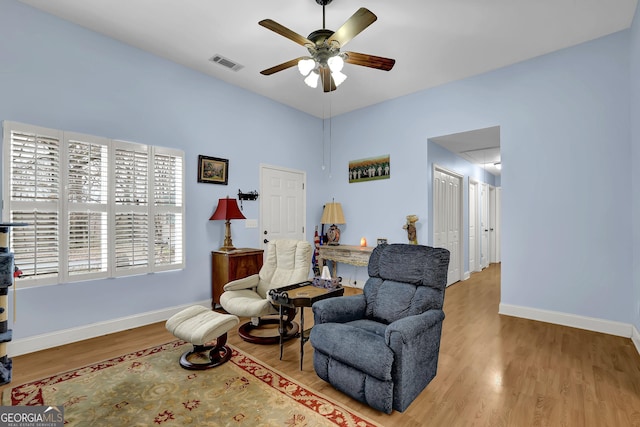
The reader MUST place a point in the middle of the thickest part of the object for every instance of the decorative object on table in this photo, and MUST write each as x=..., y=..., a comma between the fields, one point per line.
x=251, y=195
x=227, y=210
x=286, y=262
x=319, y=282
x=332, y=214
x=410, y=226
x=316, y=251
x=7, y=275
x=370, y=169
x=213, y=170
x=325, y=281
x=389, y=336
x=363, y=242
x=381, y=241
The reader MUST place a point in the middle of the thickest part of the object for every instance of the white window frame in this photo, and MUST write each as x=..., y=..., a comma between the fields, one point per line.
x=176, y=207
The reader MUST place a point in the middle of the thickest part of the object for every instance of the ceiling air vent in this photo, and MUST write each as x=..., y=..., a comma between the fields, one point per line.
x=226, y=62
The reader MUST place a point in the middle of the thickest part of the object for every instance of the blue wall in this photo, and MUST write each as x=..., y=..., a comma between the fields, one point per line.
x=566, y=181
x=635, y=159
x=566, y=152
x=59, y=75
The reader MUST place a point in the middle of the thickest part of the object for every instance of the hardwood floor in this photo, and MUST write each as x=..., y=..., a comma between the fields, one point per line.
x=493, y=370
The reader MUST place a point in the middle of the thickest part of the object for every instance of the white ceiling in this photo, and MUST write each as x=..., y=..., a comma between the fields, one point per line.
x=433, y=41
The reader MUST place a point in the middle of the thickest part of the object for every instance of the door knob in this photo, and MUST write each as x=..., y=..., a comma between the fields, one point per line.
x=265, y=241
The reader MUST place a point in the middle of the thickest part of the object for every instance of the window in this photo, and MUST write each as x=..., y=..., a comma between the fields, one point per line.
x=94, y=207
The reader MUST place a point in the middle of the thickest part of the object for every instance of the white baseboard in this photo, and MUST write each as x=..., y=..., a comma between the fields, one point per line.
x=635, y=337
x=67, y=336
x=582, y=322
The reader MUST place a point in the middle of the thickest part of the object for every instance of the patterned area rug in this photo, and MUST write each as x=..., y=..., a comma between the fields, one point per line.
x=149, y=387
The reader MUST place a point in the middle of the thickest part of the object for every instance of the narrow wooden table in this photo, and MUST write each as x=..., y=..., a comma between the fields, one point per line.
x=354, y=255
x=301, y=295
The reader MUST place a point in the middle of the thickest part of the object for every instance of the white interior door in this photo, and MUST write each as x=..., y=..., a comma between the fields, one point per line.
x=473, y=226
x=447, y=218
x=498, y=224
x=282, y=204
x=492, y=225
x=484, y=226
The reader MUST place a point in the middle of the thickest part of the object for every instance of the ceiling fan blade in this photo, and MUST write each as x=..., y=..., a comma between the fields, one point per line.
x=371, y=61
x=354, y=26
x=328, y=84
x=285, y=32
x=280, y=67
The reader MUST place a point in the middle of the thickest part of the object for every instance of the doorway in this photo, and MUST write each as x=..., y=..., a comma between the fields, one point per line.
x=475, y=155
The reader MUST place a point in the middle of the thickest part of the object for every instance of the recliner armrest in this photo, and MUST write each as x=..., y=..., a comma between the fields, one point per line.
x=339, y=310
x=244, y=283
x=412, y=327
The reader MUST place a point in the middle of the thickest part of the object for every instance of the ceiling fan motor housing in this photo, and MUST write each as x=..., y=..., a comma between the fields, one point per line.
x=321, y=51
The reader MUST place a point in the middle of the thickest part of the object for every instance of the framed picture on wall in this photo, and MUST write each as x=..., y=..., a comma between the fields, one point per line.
x=213, y=170
x=370, y=169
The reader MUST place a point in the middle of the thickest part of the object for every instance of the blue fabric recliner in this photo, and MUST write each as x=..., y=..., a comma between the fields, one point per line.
x=381, y=347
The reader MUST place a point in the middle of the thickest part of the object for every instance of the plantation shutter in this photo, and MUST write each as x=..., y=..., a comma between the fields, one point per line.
x=131, y=224
x=87, y=196
x=168, y=209
x=94, y=207
x=32, y=157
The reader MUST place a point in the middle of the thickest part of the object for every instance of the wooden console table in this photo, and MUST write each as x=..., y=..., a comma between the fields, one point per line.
x=353, y=255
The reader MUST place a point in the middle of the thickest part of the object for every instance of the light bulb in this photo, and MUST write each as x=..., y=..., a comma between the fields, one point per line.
x=312, y=79
x=306, y=65
x=335, y=63
x=338, y=77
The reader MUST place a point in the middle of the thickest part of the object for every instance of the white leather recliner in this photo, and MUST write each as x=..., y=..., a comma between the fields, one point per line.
x=286, y=262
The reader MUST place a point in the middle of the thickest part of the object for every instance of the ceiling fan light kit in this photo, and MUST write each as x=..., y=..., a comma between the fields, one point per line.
x=326, y=61
x=312, y=79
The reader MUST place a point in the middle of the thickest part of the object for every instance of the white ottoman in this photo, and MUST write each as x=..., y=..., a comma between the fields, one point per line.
x=199, y=326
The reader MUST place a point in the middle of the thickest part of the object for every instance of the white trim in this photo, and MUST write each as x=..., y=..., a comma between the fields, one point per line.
x=572, y=320
x=635, y=338
x=80, y=333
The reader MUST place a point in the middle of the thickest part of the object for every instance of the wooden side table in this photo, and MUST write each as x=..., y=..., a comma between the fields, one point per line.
x=232, y=265
x=301, y=295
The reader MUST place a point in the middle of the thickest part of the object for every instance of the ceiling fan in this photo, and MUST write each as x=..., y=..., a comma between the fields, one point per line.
x=326, y=60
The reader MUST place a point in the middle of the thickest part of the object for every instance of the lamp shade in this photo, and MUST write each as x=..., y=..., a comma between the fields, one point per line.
x=227, y=209
x=332, y=214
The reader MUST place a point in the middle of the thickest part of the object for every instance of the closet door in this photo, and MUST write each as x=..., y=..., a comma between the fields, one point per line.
x=447, y=218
